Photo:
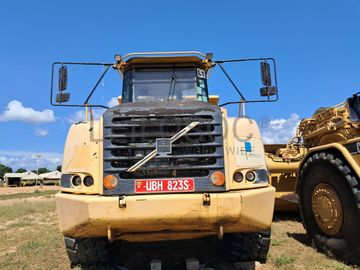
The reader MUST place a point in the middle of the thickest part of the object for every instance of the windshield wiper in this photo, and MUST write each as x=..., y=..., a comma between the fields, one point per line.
x=172, y=87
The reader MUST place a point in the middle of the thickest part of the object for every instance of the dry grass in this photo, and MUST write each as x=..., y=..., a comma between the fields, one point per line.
x=30, y=239
x=291, y=249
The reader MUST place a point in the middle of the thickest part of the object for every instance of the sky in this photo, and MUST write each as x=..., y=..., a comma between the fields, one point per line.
x=315, y=43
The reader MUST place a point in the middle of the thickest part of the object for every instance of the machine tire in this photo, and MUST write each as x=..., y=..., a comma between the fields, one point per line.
x=246, y=247
x=331, y=172
x=89, y=253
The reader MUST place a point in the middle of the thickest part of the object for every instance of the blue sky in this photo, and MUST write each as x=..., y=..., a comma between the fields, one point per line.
x=315, y=43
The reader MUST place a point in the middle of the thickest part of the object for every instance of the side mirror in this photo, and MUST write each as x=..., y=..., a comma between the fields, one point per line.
x=63, y=78
x=62, y=97
x=265, y=73
x=268, y=89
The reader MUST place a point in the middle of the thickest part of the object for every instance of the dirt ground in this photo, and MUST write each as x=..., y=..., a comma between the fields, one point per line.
x=30, y=239
x=29, y=189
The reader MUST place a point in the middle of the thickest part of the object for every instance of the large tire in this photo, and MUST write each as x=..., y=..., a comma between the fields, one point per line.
x=246, y=247
x=88, y=252
x=329, y=204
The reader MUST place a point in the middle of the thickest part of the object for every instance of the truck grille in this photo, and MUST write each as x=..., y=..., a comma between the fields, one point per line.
x=129, y=137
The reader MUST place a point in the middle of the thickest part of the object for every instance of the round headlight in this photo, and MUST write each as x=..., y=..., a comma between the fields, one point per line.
x=250, y=176
x=88, y=181
x=238, y=177
x=76, y=180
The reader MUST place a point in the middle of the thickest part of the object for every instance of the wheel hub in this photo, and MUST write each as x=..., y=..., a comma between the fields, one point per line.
x=327, y=209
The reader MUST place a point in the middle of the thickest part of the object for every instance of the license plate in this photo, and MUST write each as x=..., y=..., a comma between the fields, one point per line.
x=164, y=185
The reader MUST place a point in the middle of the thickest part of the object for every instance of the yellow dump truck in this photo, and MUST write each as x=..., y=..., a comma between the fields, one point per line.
x=166, y=163
x=321, y=165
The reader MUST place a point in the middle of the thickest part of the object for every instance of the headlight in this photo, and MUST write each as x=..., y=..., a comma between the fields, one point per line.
x=250, y=176
x=76, y=180
x=238, y=177
x=88, y=181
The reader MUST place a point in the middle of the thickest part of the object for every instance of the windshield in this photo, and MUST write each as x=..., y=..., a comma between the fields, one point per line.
x=149, y=84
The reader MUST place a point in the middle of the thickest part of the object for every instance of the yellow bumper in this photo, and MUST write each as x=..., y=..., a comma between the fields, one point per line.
x=165, y=216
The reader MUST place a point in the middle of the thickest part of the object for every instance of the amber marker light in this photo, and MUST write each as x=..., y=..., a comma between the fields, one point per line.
x=110, y=182
x=218, y=178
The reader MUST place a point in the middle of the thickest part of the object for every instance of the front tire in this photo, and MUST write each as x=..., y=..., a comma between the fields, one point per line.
x=246, y=247
x=91, y=253
x=329, y=205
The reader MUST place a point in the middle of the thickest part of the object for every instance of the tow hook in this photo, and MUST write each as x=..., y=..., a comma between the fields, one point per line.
x=206, y=199
x=122, y=202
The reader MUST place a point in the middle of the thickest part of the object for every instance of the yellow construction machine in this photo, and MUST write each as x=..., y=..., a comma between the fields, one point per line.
x=166, y=163
x=319, y=169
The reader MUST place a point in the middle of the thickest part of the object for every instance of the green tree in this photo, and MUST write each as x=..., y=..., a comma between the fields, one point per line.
x=41, y=170
x=20, y=170
x=4, y=169
x=58, y=168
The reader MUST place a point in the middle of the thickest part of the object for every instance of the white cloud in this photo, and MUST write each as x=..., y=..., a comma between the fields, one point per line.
x=28, y=160
x=15, y=111
x=80, y=115
x=113, y=102
x=97, y=113
x=41, y=132
x=280, y=130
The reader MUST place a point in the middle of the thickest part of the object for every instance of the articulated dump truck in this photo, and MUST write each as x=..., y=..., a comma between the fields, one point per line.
x=319, y=168
x=166, y=163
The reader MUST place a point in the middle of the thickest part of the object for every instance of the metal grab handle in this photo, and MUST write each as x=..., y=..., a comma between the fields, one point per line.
x=162, y=53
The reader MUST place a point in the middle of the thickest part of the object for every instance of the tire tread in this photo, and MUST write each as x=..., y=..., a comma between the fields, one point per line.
x=87, y=252
x=243, y=247
x=352, y=257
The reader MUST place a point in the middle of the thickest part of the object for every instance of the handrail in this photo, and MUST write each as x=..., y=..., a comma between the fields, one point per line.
x=163, y=53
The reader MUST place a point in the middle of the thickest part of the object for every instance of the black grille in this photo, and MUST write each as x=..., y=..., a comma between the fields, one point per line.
x=130, y=136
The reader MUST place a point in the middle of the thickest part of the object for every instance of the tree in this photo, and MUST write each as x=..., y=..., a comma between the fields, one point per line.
x=4, y=169
x=41, y=170
x=20, y=170
x=58, y=168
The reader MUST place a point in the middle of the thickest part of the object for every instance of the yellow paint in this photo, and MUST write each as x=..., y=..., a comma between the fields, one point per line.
x=83, y=155
x=214, y=100
x=327, y=130
x=237, y=131
x=177, y=214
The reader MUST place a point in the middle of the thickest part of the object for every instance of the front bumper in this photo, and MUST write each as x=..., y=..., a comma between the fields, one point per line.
x=165, y=216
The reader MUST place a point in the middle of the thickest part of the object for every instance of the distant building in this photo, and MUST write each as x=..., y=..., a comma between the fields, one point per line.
x=30, y=179
x=13, y=179
x=51, y=178
x=21, y=179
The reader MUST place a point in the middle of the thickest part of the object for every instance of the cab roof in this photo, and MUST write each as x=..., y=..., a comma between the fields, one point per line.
x=164, y=61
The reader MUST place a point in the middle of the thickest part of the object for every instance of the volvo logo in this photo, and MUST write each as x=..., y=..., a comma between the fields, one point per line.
x=164, y=145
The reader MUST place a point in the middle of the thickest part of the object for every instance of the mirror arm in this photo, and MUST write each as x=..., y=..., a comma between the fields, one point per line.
x=230, y=103
x=52, y=83
x=96, y=85
x=230, y=80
